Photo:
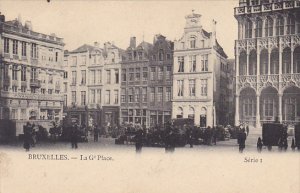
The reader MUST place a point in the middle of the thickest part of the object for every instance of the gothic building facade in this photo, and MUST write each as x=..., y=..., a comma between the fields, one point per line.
x=267, y=57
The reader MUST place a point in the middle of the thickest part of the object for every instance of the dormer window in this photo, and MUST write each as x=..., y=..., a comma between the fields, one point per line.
x=140, y=54
x=113, y=57
x=129, y=56
x=192, y=42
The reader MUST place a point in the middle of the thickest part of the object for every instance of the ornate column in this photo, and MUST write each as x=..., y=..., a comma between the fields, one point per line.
x=247, y=65
x=237, y=112
x=263, y=26
x=258, y=62
x=10, y=77
x=19, y=77
x=280, y=58
x=292, y=60
x=258, y=111
x=269, y=61
x=280, y=107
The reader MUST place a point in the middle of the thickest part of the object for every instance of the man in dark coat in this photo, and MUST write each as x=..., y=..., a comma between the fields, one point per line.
x=242, y=141
x=96, y=133
x=74, y=136
x=139, y=139
x=27, y=136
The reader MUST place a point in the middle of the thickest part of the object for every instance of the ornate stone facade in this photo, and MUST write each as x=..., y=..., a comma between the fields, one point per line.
x=267, y=55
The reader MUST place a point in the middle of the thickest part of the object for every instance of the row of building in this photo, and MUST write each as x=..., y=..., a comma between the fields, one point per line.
x=151, y=83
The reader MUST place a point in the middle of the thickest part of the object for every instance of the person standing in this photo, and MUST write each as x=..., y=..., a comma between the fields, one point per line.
x=247, y=129
x=259, y=145
x=96, y=133
x=27, y=136
x=139, y=141
x=74, y=136
x=242, y=141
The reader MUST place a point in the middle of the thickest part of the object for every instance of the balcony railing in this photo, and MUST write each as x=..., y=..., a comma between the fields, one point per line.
x=266, y=7
x=35, y=83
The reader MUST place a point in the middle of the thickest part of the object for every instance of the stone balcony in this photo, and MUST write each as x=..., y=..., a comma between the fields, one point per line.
x=31, y=96
x=285, y=5
x=35, y=83
x=278, y=81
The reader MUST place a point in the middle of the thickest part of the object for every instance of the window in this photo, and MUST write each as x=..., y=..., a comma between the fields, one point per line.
x=23, y=89
x=123, y=95
x=193, y=63
x=117, y=76
x=168, y=94
x=152, y=73
x=124, y=75
x=113, y=57
x=202, y=44
x=15, y=72
x=98, y=96
x=99, y=76
x=161, y=55
x=140, y=55
x=14, y=114
x=33, y=50
x=160, y=94
x=65, y=100
x=15, y=46
x=33, y=74
x=269, y=27
x=33, y=90
x=137, y=74
x=65, y=87
x=116, y=93
x=83, y=97
x=168, y=73
x=73, y=97
x=258, y=27
x=14, y=88
x=204, y=63
x=248, y=29
x=180, y=87
x=74, y=60
x=65, y=75
x=144, y=94
x=56, y=56
x=108, y=77
x=204, y=87
x=290, y=25
x=83, y=60
x=268, y=107
x=145, y=76
x=50, y=91
x=130, y=56
x=191, y=114
x=130, y=95
x=131, y=74
x=43, y=91
x=83, y=77
x=92, y=96
x=137, y=94
x=160, y=73
x=180, y=64
x=6, y=45
x=192, y=85
x=279, y=25
x=50, y=79
x=192, y=42
x=74, y=77
x=168, y=56
x=152, y=94
x=93, y=77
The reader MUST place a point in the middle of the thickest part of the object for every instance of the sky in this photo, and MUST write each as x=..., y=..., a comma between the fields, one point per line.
x=85, y=22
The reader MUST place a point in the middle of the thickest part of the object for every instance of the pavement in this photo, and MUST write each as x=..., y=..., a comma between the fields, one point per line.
x=109, y=144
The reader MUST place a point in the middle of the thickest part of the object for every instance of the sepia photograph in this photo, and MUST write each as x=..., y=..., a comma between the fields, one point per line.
x=150, y=96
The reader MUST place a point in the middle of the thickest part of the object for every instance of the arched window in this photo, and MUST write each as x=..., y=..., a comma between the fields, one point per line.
x=179, y=112
x=286, y=61
x=192, y=42
x=191, y=114
x=264, y=62
x=298, y=22
x=248, y=29
x=258, y=27
x=290, y=25
x=252, y=62
x=203, y=113
x=296, y=66
x=280, y=26
x=274, y=63
x=113, y=57
x=161, y=55
x=269, y=27
x=243, y=63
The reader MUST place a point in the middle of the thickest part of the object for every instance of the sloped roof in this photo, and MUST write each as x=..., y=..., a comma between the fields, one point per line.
x=220, y=50
x=84, y=48
x=145, y=45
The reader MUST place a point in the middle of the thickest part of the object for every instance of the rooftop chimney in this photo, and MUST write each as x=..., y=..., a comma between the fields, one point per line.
x=132, y=42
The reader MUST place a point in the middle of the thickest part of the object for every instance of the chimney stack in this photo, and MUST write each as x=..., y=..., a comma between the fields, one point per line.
x=97, y=44
x=132, y=42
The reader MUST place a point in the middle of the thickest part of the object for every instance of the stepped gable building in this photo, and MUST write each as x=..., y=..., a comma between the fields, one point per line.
x=94, y=84
x=31, y=74
x=197, y=77
x=267, y=55
x=134, y=83
x=160, y=80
